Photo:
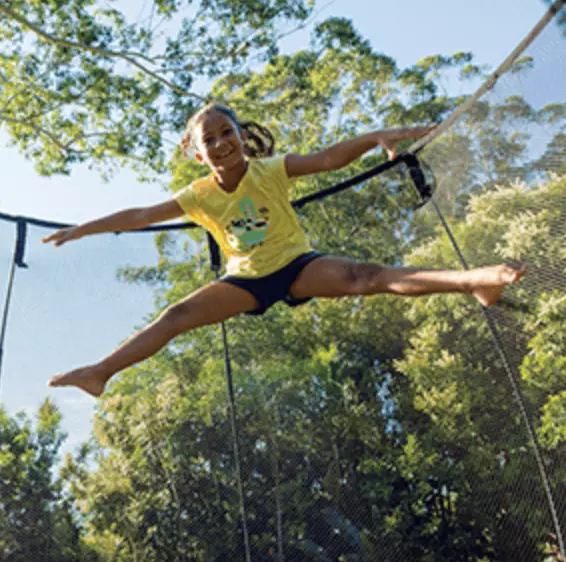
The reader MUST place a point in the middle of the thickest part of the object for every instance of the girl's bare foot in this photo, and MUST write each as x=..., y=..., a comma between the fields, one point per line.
x=89, y=379
x=487, y=283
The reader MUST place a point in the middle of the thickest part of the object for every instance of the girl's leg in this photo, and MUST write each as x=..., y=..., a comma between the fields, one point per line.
x=211, y=304
x=336, y=277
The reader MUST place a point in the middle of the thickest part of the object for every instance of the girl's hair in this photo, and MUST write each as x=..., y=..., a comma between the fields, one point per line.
x=259, y=142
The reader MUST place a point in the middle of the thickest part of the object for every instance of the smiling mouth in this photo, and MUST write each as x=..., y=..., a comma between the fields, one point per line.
x=224, y=155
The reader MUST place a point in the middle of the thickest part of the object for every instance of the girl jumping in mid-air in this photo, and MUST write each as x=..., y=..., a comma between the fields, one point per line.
x=244, y=204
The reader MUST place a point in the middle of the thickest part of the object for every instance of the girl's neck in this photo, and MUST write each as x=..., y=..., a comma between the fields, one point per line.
x=229, y=178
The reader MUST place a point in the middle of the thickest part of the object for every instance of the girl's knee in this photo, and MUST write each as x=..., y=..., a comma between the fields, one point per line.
x=361, y=278
x=177, y=316
x=353, y=276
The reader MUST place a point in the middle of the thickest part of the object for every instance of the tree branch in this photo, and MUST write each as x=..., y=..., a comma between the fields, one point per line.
x=85, y=136
x=113, y=54
x=36, y=128
x=12, y=98
x=57, y=104
x=243, y=43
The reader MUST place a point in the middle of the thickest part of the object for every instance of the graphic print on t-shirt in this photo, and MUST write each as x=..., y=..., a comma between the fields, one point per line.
x=251, y=228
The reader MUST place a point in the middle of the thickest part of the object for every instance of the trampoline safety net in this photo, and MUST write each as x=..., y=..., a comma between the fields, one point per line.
x=378, y=429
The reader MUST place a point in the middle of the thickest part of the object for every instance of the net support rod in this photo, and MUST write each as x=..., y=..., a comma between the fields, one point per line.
x=513, y=379
x=17, y=261
x=504, y=67
x=215, y=266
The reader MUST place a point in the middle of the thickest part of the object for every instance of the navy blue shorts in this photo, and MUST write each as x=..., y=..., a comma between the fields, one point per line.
x=274, y=287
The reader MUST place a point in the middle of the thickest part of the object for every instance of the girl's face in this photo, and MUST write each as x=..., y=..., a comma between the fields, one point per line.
x=219, y=143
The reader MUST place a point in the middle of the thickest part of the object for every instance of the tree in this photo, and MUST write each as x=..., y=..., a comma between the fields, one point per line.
x=79, y=81
x=381, y=418
x=457, y=380
x=370, y=429
x=319, y=428
x=38, y=520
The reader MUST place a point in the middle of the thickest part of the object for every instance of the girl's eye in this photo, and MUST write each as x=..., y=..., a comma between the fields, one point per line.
x=227, y=132
x=208, y=141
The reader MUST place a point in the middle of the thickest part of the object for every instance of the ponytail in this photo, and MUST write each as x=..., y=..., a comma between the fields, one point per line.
x=259, y=142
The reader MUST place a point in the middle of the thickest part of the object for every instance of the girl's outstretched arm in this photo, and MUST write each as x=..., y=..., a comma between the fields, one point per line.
x=130, y=219
x=341, y=154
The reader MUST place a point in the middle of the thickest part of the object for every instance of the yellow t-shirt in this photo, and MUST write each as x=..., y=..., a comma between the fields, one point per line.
x=255, y=226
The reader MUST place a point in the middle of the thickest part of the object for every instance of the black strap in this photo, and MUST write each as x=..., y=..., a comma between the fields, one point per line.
x=21, y=238
x=420, y=182
x=402, y=158
x=364, y=176
x=410, y=160
x=214, y=250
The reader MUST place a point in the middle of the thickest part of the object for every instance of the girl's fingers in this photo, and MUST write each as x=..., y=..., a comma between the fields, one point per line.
x=390, y=146
x=52, y=237
x=59, y=237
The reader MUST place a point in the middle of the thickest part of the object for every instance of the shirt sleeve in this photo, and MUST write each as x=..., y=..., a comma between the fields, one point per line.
x=186, y=199
x=278, y=172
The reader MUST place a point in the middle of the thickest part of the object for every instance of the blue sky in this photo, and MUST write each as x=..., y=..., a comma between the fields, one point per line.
x=68, y=309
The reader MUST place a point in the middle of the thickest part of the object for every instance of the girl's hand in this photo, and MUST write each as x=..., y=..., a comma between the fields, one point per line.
x=64, y=235
x=389, y=139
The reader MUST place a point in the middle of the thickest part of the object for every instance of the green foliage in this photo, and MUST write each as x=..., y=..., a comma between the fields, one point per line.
x=373, y=429
x=456, y=377
x=370, y=429
x=492, y=145
x=38, y=521
x=79, y=82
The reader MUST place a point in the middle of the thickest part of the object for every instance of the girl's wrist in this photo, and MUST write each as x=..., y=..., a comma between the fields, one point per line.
x=380, y=136
x=79, y=231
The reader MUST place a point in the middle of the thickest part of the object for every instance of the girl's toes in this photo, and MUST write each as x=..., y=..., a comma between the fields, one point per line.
x=518, y=270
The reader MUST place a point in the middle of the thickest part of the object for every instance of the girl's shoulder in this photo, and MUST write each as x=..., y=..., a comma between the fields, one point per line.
x=271, y=165
x=196, y=189
x=267, y=161
x=201, y=185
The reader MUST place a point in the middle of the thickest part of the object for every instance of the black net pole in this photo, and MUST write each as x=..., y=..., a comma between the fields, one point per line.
x=17, y=261
x=6, y=311
x=215, y=266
